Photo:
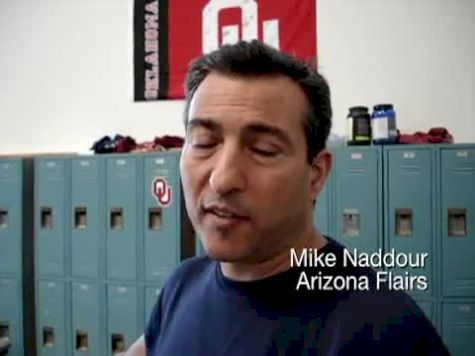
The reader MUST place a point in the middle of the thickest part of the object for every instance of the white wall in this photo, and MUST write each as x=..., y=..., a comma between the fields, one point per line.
x=417, y=54
x=66, y=69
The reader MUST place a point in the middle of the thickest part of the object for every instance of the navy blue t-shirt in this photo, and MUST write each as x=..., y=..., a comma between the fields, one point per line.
x=201, y=312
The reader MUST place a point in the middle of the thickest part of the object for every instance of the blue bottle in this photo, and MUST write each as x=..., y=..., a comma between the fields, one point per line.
x=383, y=124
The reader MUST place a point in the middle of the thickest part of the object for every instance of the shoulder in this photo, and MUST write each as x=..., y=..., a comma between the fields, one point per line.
x=190, y=272
x=178, y=287
x=382, y=319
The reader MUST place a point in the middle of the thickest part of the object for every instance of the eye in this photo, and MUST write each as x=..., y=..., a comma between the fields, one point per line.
x=203, y=146
x=202, y=141
x=264, y=152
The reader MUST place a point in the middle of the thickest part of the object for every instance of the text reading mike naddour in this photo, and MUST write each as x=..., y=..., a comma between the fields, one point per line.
x=344, y=272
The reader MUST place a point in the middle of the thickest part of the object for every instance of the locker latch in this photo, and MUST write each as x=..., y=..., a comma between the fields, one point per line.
x=351, y=222
x=3, y=218
x=457, y=224
x=81, y=340
x=404, y=222
x=155, y=218
x=48, y=336
x=117, y=219
x=4, y=336
x=80, y=218
x=46, y=218
x=118, y=344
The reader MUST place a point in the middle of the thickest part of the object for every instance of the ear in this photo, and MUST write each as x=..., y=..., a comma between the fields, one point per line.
x=320, y=168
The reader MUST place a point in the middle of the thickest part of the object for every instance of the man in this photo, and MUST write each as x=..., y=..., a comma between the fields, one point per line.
x=252, y=166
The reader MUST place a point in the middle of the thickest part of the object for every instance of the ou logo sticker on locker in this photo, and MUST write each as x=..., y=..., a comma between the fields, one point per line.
x=162, y=191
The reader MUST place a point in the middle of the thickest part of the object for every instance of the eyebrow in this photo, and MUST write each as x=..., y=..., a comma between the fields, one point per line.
x=206, y=123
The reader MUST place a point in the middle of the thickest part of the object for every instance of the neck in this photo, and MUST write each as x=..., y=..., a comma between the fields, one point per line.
x=277, y=263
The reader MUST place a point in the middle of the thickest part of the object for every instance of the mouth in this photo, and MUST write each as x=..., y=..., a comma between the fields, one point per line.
x=224, y=217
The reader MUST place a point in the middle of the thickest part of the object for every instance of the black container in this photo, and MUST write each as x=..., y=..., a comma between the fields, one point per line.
x=358, y=126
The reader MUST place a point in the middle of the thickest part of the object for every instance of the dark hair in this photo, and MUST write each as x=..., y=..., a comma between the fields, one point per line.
x=258, y=59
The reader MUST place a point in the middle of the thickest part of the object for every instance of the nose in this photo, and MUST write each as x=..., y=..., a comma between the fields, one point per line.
x=227, y=175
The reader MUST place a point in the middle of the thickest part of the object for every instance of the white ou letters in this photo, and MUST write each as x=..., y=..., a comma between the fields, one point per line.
x=230, y=34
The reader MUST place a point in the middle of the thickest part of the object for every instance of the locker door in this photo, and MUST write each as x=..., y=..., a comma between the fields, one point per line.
x=121, y=235
x=11, y=323
x=322, y=211
x=52, y=327
x=162, y=199
x=357, y=198
x=458, y=327
x=86, y=232
x=86, y=319
x=122, y=317
x=151, y=297
x=10, y=216
x=409, y=206
x=50, y=223
x=458, y=221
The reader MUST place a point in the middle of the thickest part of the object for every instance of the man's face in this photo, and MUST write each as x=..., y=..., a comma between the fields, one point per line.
x=248, y=187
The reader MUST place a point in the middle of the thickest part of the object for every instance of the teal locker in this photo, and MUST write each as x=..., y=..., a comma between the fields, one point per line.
x=357, y=194
x=87, y=319
x=87, y=228
x=122, y=317
x=51, y=225
x=162, y=218
x=53, y=322
x=409, y=209
x=322, y=210
x=151, y=297
x=10, y=216
x=458, y=220
x=11, y=322
x=122, y=204
x=458, y=326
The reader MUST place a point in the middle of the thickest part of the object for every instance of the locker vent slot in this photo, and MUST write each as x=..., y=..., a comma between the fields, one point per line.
x=3, y=218
x=4, y=329
x=465, y=308
x=81, y=340
x=46, y=218
x=4, y=335
x=48, y=336
x=118, y=344
x=117, y=219
x=155, y=218
x=351, y=222
x=80, y=218
x=457, y=222
x=404, y=222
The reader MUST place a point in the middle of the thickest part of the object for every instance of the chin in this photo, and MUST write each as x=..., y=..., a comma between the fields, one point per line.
x=229, y=254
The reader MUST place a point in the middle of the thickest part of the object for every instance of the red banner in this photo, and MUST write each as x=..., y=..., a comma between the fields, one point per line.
x=186, y=29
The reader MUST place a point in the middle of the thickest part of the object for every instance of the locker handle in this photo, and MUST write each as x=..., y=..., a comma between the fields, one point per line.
x=118, y=344
x=404, y=219
x=351, y=222
x=117, y=219
x=4, y=336
x=155, y=221
x=46, y=218
x=3, y=218
x=457, y=222
x=81, y=340
x=80, y=218
x=48, y=336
